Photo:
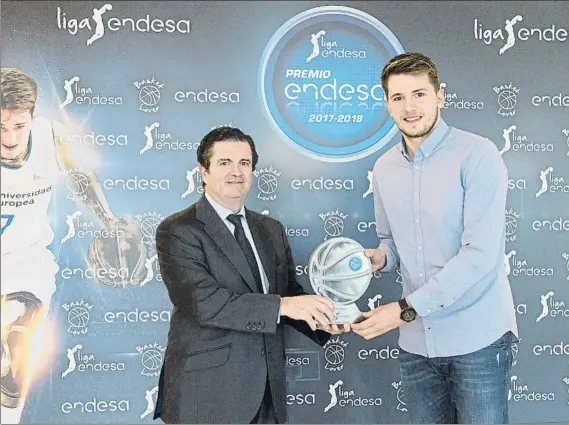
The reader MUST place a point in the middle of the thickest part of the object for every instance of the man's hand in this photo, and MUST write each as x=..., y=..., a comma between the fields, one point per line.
x=380, y=320
x=336, y=329
x=310, y=308
x=377, y=258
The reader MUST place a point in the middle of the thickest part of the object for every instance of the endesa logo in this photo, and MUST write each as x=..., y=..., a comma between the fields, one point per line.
x=319, y=83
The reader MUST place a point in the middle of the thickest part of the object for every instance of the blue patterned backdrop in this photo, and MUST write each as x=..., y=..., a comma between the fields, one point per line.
x=152, y=78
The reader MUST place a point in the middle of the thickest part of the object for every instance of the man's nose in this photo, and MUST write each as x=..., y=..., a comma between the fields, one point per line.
x=236, y=169
x=8, y=137
x=409, y=105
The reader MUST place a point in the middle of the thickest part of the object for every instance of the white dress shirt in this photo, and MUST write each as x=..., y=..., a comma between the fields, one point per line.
x=223, y=213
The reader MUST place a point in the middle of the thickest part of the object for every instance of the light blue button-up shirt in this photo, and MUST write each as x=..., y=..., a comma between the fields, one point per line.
x=440, y=217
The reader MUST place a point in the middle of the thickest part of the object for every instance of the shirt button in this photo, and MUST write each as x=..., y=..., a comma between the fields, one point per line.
x=263, y=352
x=420, y=247
x=421, y=274
x=416, y=167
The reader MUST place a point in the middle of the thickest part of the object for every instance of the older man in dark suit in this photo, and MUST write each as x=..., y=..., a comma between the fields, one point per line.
x=231, y=277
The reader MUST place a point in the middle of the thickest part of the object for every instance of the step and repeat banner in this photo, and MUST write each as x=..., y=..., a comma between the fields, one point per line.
x=147, y=80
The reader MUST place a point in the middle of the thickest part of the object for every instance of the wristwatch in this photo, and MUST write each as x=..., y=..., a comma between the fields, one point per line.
x=408, y=313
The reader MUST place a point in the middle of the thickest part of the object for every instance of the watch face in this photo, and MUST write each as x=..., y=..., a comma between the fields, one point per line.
x=408, y=315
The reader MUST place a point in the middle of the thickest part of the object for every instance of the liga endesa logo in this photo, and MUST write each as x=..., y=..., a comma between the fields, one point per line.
x=101, y=20
x=319, y=83
x=520, y=32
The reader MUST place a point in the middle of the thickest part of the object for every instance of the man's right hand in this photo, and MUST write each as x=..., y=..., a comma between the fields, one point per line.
x=377, y=257
x=310, y=308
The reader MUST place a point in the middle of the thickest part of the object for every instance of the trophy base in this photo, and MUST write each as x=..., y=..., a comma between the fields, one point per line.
x=346, y=314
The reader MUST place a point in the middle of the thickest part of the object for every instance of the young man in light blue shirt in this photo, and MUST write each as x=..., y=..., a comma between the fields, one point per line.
x=439, y=199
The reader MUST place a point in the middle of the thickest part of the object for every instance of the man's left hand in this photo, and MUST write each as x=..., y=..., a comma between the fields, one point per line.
x=378, y=321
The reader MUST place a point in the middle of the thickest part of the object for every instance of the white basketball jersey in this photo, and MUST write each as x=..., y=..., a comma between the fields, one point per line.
x=26, y=194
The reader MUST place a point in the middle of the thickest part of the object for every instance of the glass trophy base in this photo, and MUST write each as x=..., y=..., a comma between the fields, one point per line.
x=348, y=313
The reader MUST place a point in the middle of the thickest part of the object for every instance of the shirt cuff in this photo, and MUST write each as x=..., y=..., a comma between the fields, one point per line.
x=422, y=302
x=390, y=261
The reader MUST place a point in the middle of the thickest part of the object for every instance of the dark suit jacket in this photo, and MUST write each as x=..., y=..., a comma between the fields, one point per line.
x=224, y=339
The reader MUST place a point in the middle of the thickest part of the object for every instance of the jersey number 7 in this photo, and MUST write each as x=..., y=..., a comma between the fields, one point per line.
x=6, y=221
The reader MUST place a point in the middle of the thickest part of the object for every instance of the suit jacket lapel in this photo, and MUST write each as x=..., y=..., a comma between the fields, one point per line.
x=221, y=235
x=264, y=249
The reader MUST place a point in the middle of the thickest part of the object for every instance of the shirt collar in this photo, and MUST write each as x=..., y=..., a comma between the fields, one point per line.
x=222, y=211
x=431, y=142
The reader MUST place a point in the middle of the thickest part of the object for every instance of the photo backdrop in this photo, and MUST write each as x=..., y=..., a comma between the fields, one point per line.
x=150, y=79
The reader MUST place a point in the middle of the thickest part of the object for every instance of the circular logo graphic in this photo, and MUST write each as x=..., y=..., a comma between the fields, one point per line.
x=319, y=83
x=355, y=263
x=507, y=100
x=511, y=225
x=78, y=317
x=267, y=184
x=149, y=95
x=152, y=359
x=335, y=354
x=334, y=226
x=77, y=183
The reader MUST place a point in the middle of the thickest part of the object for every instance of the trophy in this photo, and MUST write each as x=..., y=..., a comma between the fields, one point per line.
x=339, y=271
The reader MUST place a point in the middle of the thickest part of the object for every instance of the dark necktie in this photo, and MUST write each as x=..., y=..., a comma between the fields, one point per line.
x=242, y=240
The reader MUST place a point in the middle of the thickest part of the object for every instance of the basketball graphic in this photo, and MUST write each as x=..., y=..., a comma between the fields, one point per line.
x=511, y=225
x=77, y=183
x=148, y=228
x=334, y=226
x=507, y=100
x=152, y=359
x=334, y=354
x=149, y=95
x=267, y=184
x=78, y=317
x=515, y=351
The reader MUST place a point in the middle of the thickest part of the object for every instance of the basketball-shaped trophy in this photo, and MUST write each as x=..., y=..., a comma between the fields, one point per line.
x=118, y=257
x=339, y=271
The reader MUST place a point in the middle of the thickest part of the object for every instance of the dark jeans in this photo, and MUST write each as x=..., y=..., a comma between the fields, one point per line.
x=471, y=388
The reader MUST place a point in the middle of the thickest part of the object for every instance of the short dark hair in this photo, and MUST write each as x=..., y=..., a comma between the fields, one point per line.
x=410, y=63
x=223, y=134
